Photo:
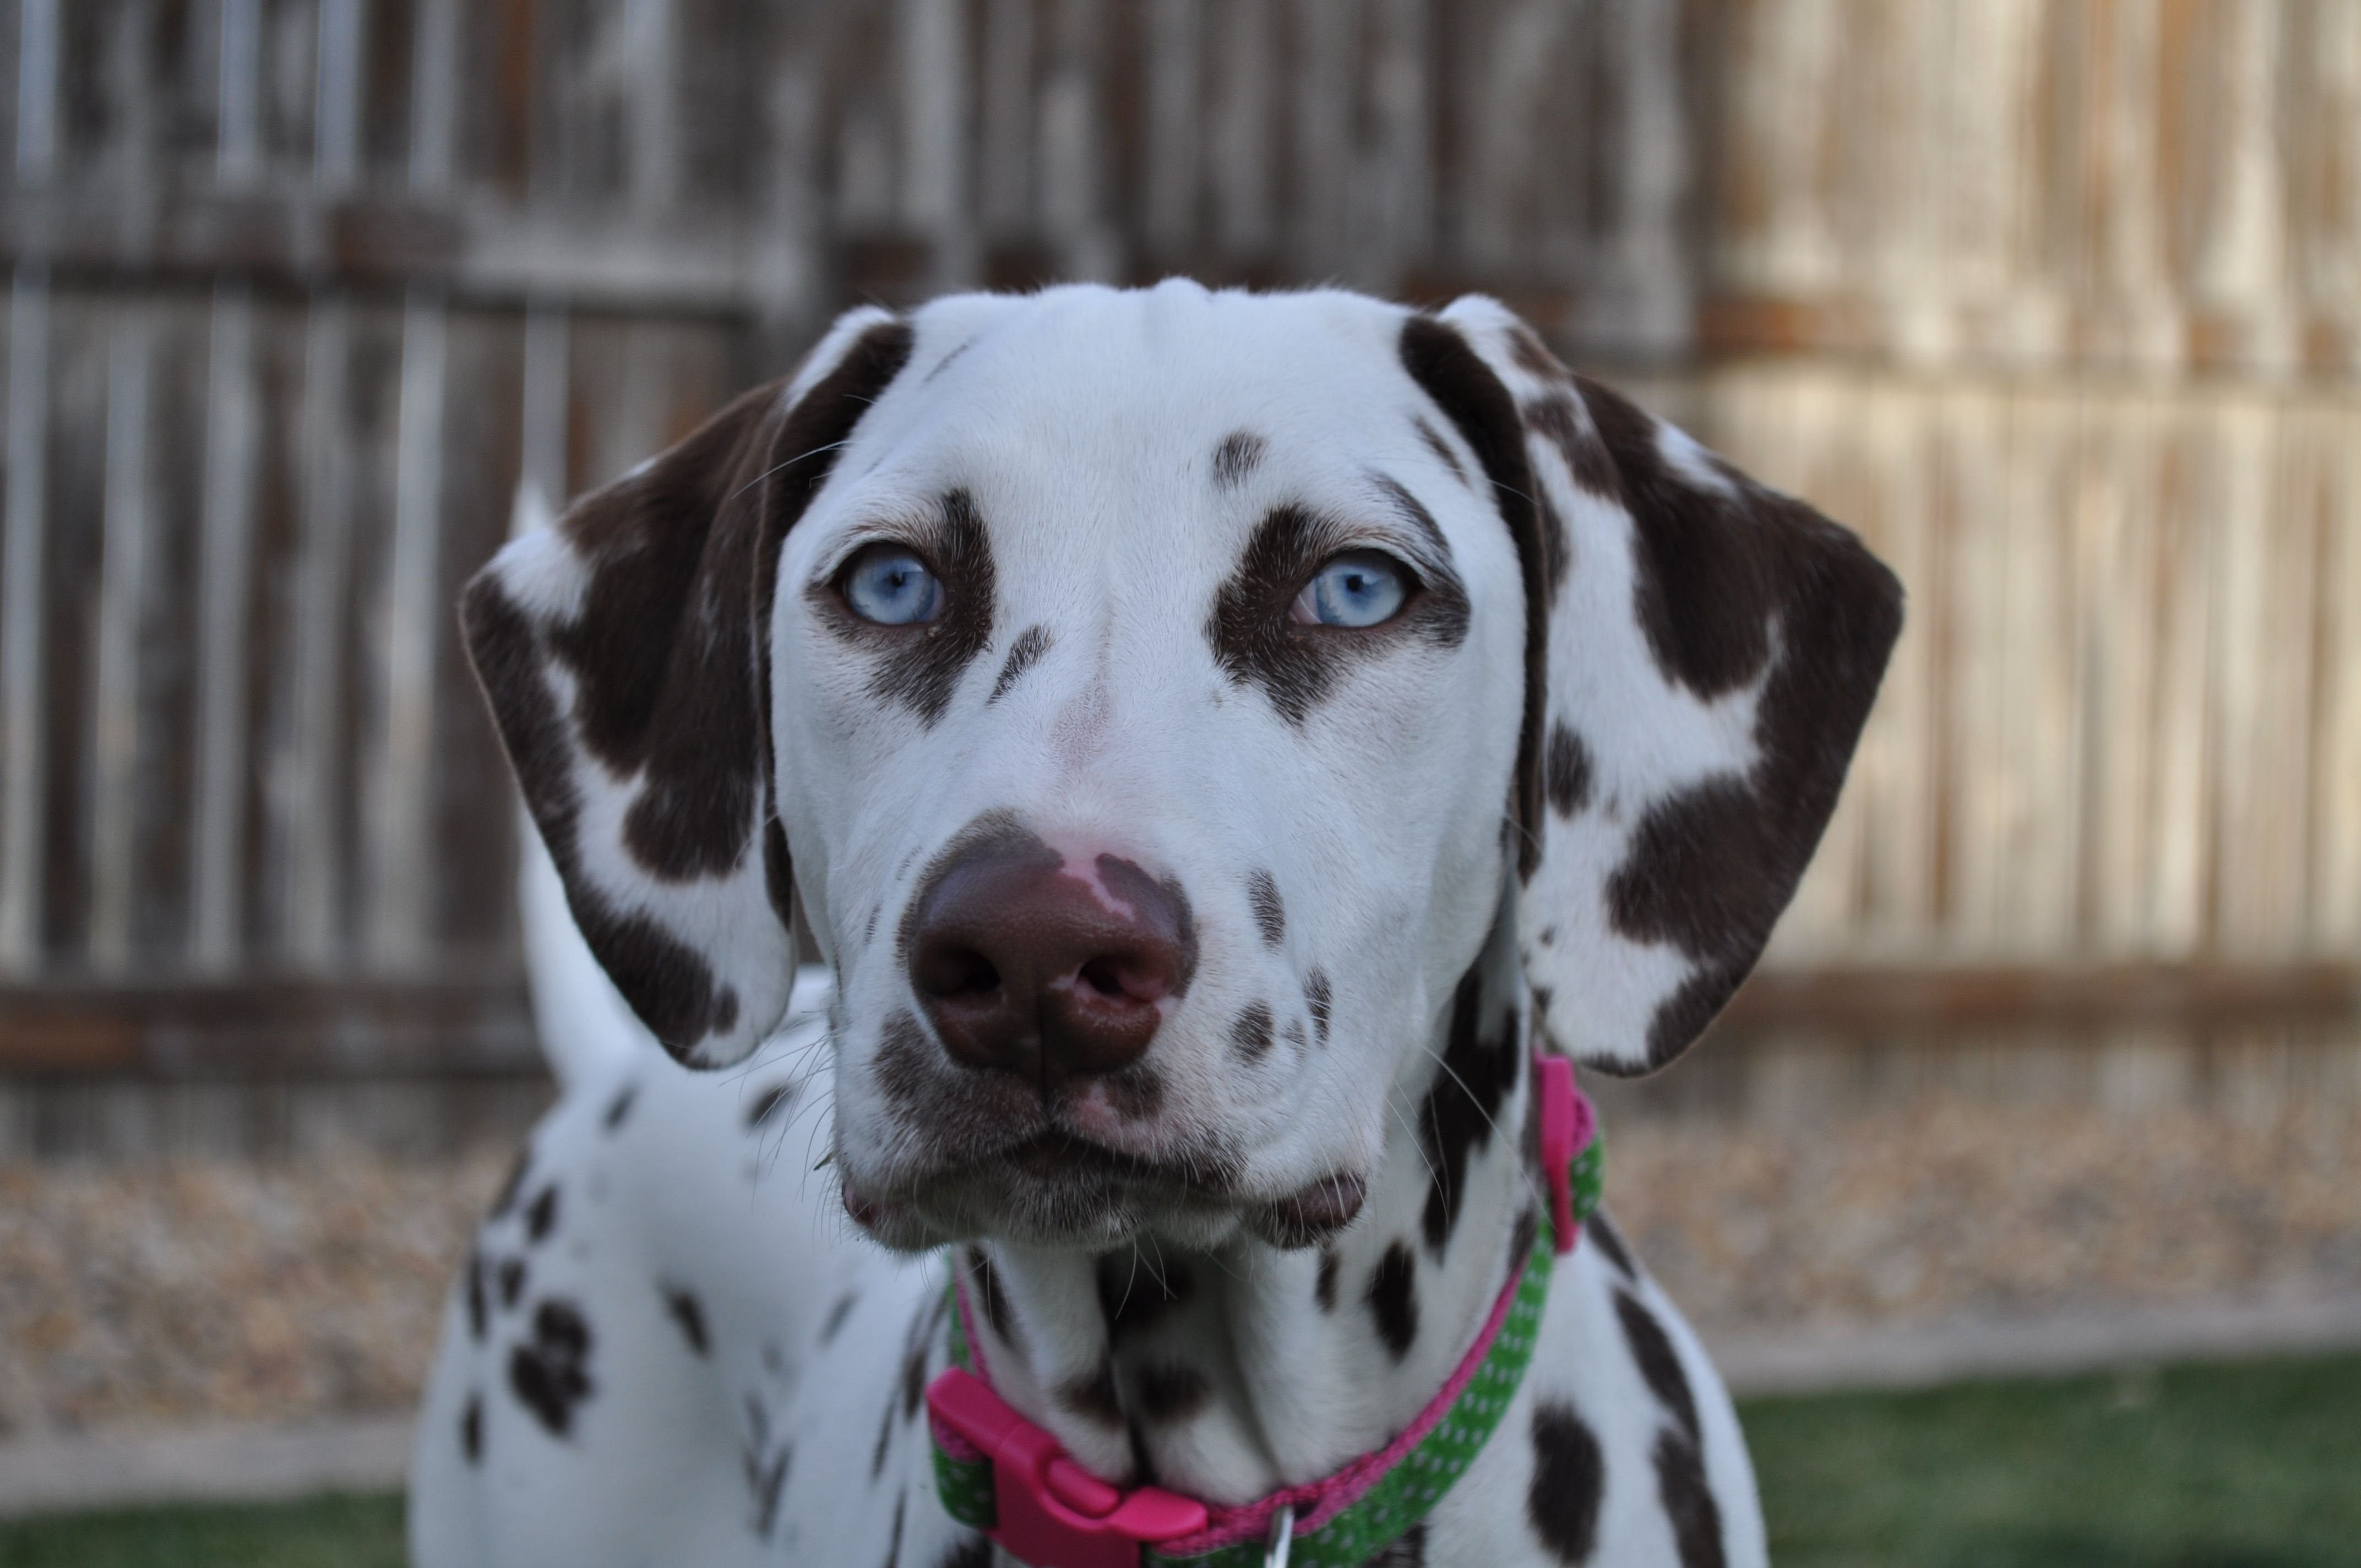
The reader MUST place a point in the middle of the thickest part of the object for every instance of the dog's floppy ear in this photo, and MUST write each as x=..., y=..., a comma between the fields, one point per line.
x=1701, y=652
x=625, y=658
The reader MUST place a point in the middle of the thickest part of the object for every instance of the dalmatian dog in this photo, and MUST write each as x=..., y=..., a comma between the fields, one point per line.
x=1214, y=740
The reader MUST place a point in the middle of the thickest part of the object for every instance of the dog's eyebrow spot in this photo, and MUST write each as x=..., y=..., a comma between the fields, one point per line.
x=920, y=666
x=511, y=1281
x=1269, y=912
x=1023, y=654
x=1440, y=447
x=1316, y=997
x=1566, y=772
x=1414, y=512
x=1392, y=1299
x=1238, y=455
x=1250, y=1034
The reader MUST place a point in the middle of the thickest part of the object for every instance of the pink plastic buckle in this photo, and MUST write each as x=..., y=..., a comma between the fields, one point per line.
x=1054, y=1513
x=1566, y=1125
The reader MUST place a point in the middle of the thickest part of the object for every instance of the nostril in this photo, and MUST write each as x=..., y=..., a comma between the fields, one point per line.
x=947, y=972
x=1106, y=977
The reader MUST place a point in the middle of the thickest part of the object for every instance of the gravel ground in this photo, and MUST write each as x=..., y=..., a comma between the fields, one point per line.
x=221, y=1291
x=138, y=1296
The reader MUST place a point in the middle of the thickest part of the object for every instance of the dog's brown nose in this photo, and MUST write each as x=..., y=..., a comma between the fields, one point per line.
x=1033, y=965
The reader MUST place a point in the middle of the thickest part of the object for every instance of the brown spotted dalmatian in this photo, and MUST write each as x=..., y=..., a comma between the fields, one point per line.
x=1215, y=738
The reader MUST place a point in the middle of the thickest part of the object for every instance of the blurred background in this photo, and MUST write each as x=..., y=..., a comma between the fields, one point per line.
x=2057, y=1062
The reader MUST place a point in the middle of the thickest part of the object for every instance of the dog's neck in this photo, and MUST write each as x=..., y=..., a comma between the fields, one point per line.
x=1229, y=1373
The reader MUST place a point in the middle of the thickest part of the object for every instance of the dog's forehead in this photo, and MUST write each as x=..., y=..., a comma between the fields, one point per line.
x=1105, y=395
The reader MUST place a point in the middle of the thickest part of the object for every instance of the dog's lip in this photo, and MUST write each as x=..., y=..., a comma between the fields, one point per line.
x=1054, y=1153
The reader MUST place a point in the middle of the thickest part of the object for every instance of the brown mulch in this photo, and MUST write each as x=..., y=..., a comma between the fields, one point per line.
x=222, y=1291
x=1953, y=1211
x=212, y=1290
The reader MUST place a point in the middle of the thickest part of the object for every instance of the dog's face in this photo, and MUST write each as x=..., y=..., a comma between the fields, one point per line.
x=1206, y=593
x=1157, y=699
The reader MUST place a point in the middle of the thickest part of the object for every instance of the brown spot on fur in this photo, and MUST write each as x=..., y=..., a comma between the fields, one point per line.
x=1316, y=997
x=1250, y=1033
x=920, y=665
x=1461, y=1108
x=1392, y=1299
x=1240, y=452
x=1091, y=1395
x=1568, y=772
x=1166, y=1391
x=1257, y=642
x=1023, y=654
x=1269, y=913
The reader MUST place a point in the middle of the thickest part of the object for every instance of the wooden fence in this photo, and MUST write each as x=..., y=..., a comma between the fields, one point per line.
x=2059, y=300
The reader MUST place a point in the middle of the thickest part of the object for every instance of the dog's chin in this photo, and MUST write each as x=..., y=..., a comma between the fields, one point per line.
x=1057, y=1191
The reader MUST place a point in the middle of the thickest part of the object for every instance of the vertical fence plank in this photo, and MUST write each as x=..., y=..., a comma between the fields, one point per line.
x=22, y=689
x=224, y=610
x=403, y=870
x=934, y=70
x=37, y=46
x=336, y=114
x=1241, y=152
x=2334, y=463
x=548, y=349
x=1173, y=67
x=115, y=685
x=239, y=144
x=310, y=772
x=434, y=94
x=652, y=171
x=1004, y=160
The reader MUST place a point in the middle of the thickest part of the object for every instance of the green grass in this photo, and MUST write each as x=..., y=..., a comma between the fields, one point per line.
x=320, y=1533
x=2253, y=1465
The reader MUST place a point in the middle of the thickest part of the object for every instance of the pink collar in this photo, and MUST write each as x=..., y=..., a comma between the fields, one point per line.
x=1001, y=1473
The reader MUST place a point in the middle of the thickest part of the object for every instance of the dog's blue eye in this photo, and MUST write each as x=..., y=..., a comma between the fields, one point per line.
x=1359, y=588
x=889, y=585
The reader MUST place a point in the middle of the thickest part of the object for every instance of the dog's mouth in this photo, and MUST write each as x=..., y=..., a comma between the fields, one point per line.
x=1055, y=1155
x=1051, y=1185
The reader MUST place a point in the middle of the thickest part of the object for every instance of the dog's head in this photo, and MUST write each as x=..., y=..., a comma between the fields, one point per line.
x=1157, y=699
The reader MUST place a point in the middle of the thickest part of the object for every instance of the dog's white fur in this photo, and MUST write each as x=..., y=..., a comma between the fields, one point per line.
x=581, y=1413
